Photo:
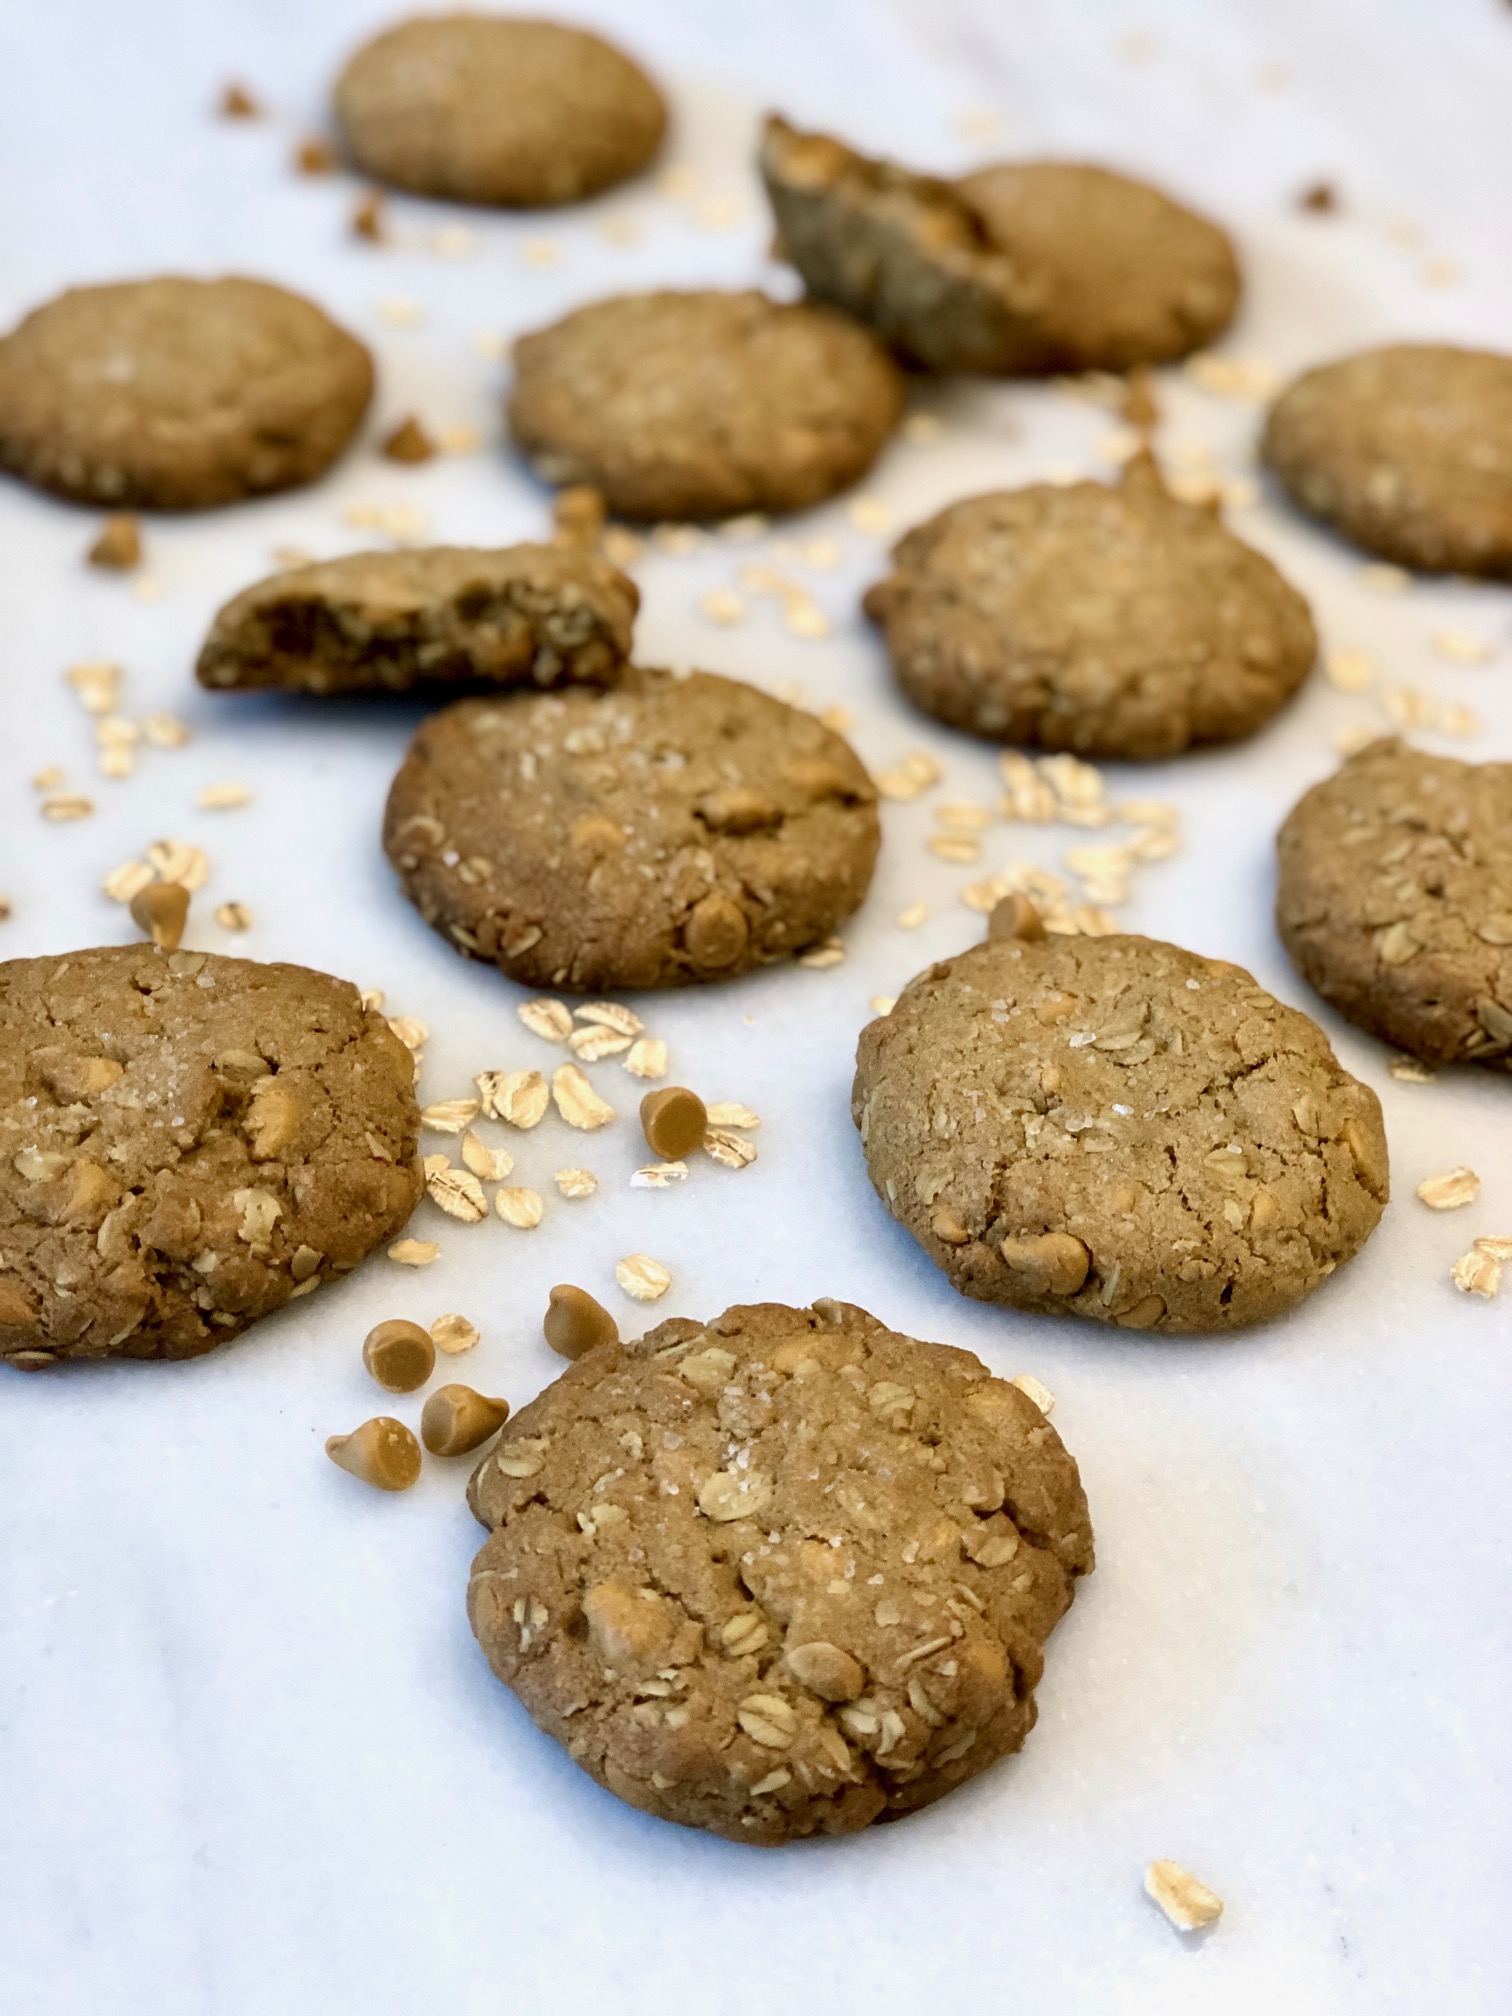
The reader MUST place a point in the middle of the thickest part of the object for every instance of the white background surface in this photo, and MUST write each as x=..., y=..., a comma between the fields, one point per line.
x=250, y=1758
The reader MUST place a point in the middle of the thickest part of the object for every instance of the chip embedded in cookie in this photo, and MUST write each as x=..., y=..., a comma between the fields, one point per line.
x=778, y=1575
x=1395, y=900
x=704, y=405
x=486, y=109
x=1407, y=451
x=531, y=616
x=1117, y=1129
x=178, y=394
x=1114, y=622
x=188, y=1143
x=667, y=831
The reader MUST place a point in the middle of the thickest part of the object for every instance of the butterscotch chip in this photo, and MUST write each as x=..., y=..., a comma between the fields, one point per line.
x=482, y=109
x=400, y=1355
x=1407, y=451
x=530, y=616
x=1395, y=900
x=674, y=1122
x=315, y=156
x=1015, y=917
x=368, y=219
x=665, y=832
x=119, y=544
x=287, y=1153
x=382, y=1452
x=455, y=1420
x=409, y=442
x=703, y=405
x=1114, y=1128
x=176, y=394
x=1115, y=622
x=236, y=102
x=575, y=1322
x=161, y=909
x=656, y=1592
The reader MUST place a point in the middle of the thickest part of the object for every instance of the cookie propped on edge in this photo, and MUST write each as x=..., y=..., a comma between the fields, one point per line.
x=782, y=1574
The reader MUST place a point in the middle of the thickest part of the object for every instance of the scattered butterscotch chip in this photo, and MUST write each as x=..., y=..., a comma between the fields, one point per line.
x=642, y=1278
x=1042, y=1397
x=521, y=1207
x=450, y=1116
x=576, y=1182
x=575, y=1323
x=1319, y=197
x=382, y=1452
x=414, y=1252
x=550, y=1020
x=162, y=910
x=491, y=1164
x=455, y=1420
x=119, y=544
x=316, y=156
x=237, y=102
x=647, y=1058
x=1016, y=916
x=225, y=797
x=409, y=442
x=518, y=1097
x=457, y=1191
x=1187, y=1903
x=5, y=908
x=233, y=917
x=61, y=806
x=729, y=1150
x=368, y=219
x=454, y=1335
x=1450, y=1191
x=577, y=516
x=400, y=1355
x=577, y=1102
x=674, y=1122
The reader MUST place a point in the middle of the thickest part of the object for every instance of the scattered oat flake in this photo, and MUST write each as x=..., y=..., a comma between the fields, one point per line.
x=233, y=917
x=223, y=797
x=957, y=847
x=459, y=440
x=642, y=1278
x=592, y=1044
x=1384, y=579
x=454, y=241
x=965, y=817
x=459, y=1194
x=1450, y=1191
x=830, y=953
x=839, y=718
x=178, y=861
x=1462, y=648
x=1411, y=1071
x=165, y=731
x=611, y=1015
x=371, y=997
x=491, y=1165
x=540, y=253
x=97, y=684
x=883, y=1004
x=1031, y=1388
x=731, y=1113
x=520, y=1207
x=659, y=1175
x=678, y=540
x=454, y=1334
x=410, y=1030
x=870, y=514
x=551, y=1020
x=577, y=1102
x=414, y=1252
x=1478, y=1270
x=911, y=918
x=519, y=1098
x=802, y=617
x=576, y=1182
x=59, y=806
x=400, y=312
x=728, y=1149
x=723, y=606
x=145, y=589
x=1187, y=1903
x=50, y=778
x=1350, y=671
x=922, y=427
x=1232, y=377
x=129, y=880
x=450, y=1116
x=647, y=1058
x=620, y=547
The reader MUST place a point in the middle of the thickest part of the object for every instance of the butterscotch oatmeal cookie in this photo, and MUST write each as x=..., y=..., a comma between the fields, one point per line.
x=1022, y=267
x=382, y=622
x=1115, y=622
x=667, y=831
x=485, y=110
x=1395, y=900
x=782, y=1574
x=178, y=394
x=1407, y=451
x=703, y=405
x=1118, y=1129
x=187, y=1142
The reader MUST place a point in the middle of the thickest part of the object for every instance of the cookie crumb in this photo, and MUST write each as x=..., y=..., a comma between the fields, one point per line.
x=1319, y=197
x=455, y=1420
x=399, y=1355
x=1188, y=1904
x=237, y=102
x=316, y=156
x=382, y=1452
x=1451, y=1191
x=576, y=1182
x=161, y=909
x=521, y=1207
x=575, y=1322
x=119, y=545
x=368, y=219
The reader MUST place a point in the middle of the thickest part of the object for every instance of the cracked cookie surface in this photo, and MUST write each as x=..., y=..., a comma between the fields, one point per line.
x=1395, y=900
x=186, y=1142
x=782, y=1574
x=664, y=832
x=1118, y=1129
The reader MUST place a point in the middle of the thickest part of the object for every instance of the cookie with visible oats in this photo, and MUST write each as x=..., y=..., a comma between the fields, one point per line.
x=1111, y=621
x=178, y=394
x=1395, y=900
x=704, y=405
x=443, y=615
x=186, y=1143
x=1028, y=266
x=1407, y=451
x=1117, y=1129
x=483, y=109
x=667, y=831
x=783, y=1574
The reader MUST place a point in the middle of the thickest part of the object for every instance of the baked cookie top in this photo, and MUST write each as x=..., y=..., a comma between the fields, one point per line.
x=177, y=394
x=1395, y=900
x=187, y=1142
x=486, y=109
x=1119, y=1129
x=782, y=1574
x=1115, y=622
x=439, y=615
x=1022, y=267
x=1407, y=451
x=666, y=831
x=703, y=405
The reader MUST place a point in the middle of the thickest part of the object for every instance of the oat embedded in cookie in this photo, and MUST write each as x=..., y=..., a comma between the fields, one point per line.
x=186, y=1143
x=1395, y=900
x=778, y=1575
x=703, y=405
x=178, y=394
x=532, y=616
x=1407, y=451
x=665, y=832
x=1117, y=1129
x=1113, y=622
x=520, y=113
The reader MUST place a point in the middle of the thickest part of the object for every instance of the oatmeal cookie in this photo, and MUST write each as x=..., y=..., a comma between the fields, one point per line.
x=1118, y=1129
x=778, y=1575
x=670, y=830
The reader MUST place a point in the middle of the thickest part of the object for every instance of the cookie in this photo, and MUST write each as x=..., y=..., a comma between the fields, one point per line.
x=1118, y=1129
x=1022, y=267
x=441, y=615
x=1115, y=622
x=1395, y=900
x=488, y=110
x=670, y=830
x=186, y=1143
x=779, y=1575
x=178, y=394
x=703, y=405
x=1407, y=451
